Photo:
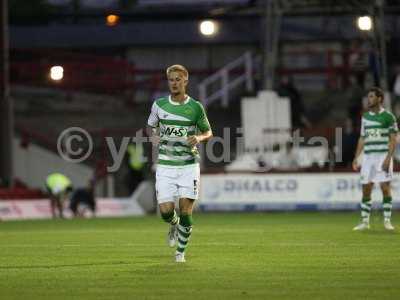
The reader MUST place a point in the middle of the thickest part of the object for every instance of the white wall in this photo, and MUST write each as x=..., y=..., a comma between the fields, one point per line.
x=33, y=164
x=266, y=111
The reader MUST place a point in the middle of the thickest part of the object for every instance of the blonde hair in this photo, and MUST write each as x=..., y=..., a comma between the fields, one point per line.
x=178, y=68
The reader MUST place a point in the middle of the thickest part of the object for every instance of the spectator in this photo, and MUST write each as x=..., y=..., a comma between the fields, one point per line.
x=288, y=89
x=82, y=199
x=358, y=62
x=396, y=84
x=58, y=187
x=136, y=166
x=355, y=107
x=349, y=143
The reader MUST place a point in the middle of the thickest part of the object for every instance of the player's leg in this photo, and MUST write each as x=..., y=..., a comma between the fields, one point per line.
x=367, y=172
x=169, y=215
x=56, y=206
x=184, y=227
x=166, y=191
x=365, y=206
x=73, y=204
x=53, y=204
x=384, y=178
x=92, y=204
x=60, y=204
x=189, y=182
x=387, y=204
x=52, y=201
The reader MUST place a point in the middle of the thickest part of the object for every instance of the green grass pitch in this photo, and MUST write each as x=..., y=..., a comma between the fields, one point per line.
x=230, y=256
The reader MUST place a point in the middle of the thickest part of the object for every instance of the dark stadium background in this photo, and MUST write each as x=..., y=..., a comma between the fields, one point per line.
x=114, y=54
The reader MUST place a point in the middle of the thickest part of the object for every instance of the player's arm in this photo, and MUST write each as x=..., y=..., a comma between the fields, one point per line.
x=389, y=156
x=393, y=129
x=198, y=138
x=152, y=126
x=392, y=145
x=204, y=128
x=360, y=146
x=153, y=134
x=359, y=149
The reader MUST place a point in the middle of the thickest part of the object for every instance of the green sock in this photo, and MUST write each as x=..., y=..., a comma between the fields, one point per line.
x=387, y=208
x=365, y=209
x=184, y=232
x=170, y=217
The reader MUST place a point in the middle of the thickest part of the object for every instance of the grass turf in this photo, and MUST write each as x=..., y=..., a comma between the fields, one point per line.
x=230, y=256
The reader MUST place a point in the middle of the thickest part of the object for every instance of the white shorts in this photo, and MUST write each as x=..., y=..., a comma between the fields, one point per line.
x=175, y=183
x=371, y=169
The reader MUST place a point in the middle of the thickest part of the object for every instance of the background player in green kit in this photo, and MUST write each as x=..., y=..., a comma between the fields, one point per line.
x=378, y=141
x=178, y=123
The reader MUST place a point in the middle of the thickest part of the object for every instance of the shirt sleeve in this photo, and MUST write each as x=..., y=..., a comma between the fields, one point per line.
x=153, y=118
x=202, y=122
x=362, y=130
x=393, y=128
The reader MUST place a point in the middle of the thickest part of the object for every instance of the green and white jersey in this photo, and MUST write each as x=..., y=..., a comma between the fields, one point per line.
x=375, y=129
x=177, y=121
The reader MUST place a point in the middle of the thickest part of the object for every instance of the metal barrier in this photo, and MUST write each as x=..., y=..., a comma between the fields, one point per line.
x=227, y=82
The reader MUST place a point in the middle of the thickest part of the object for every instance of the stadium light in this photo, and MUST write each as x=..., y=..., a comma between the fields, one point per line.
x=112, y=20
x=56, y=73
x=208, y=28
x=364, y=23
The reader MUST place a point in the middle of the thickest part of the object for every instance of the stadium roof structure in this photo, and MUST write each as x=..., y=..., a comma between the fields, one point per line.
x=222, y=8
x=330, y=7
x=84, y=11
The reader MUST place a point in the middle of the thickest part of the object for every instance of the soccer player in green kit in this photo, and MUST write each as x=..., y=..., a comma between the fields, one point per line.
x=178, y=123
x=377, y=141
